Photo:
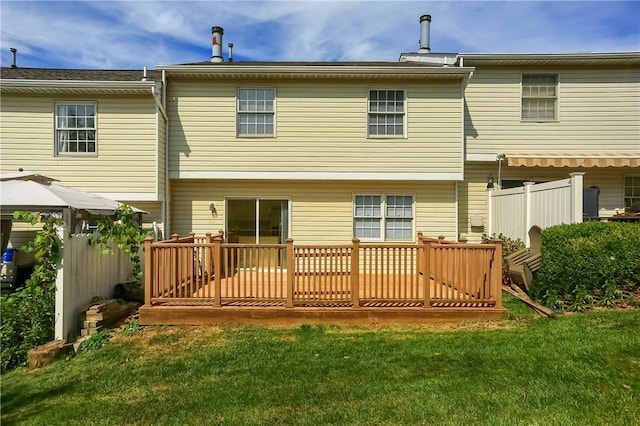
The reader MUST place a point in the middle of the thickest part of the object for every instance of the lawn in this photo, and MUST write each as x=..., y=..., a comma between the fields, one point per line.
x=572, y=370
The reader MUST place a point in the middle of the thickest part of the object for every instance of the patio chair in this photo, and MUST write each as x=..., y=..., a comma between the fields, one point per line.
x=522, y=264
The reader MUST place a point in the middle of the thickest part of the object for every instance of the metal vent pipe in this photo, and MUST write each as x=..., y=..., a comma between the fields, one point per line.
x=14, y=51
x=425, y=23
x=216, y=44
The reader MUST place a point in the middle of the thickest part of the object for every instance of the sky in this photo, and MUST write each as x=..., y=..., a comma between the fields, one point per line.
x=137, y=33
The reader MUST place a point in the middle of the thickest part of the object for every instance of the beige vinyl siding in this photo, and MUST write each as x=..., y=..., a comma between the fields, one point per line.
x=321, y=212
x=321, y=126
x=473, y=191
x=598, y=111
x=126, y=143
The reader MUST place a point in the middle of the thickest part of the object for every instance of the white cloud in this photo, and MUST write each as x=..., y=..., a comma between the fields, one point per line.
x=133, y=34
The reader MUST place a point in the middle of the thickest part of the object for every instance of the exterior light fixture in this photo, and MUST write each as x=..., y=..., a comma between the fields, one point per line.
x=490, y=182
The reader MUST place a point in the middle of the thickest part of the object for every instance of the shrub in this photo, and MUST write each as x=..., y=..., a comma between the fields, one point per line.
x=509, y=246
x=588, y=263
x=28, y=314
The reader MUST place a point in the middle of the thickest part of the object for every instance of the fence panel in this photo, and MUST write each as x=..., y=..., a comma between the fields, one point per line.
x=389, y=273
x=322, y=274
x=85, y=273
x=512, y=212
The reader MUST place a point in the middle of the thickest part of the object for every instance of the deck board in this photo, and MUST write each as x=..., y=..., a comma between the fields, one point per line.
x=316, y=304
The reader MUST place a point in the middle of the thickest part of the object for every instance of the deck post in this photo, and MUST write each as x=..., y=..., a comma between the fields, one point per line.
x=217, y=267
x=355, y=273
x=208, y=256
x=426, y=272
x=148, y=268
x=290, y=273
x=175, y=236
x=496, y=272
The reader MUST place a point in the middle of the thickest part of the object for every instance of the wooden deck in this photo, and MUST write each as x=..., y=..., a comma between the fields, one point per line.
x=196, y=281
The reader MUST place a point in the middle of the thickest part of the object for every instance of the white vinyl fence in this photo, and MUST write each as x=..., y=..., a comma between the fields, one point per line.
x=512, y=212
x=84, y=273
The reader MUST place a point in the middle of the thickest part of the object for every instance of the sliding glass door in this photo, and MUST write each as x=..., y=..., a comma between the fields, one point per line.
x=257, y=220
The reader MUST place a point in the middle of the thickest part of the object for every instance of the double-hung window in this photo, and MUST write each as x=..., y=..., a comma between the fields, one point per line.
x=75, y=128
x=540, y=97
x=631, y=191
x=386, y=113
x=256, y=112
x=383, y=217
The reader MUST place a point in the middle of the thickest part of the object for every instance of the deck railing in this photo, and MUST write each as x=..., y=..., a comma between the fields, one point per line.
x=431, y=272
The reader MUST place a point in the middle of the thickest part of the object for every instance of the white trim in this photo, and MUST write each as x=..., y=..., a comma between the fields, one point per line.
x=404, y=113
x=454, y=176
x=273, y=112
x=392, y=69
x=481, y=157
x=130, y=196
x=383, y=216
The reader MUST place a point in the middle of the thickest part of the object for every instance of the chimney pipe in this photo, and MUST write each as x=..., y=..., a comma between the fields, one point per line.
x=425, y=23
x=230, y=52
x=13, y=57
x=216, y=44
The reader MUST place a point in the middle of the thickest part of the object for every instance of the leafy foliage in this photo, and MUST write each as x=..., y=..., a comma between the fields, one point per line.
x=586, y=264
x=96, y=341
x=28, y=313
x=131, y=328
x=509, y=246
x=125, y=231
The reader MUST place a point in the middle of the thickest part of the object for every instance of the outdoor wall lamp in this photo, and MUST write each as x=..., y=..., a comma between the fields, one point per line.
x=490, y=182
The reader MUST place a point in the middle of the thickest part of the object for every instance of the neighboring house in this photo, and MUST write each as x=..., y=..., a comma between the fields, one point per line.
x=93, y=130
x=549, y=115
x=325, y=151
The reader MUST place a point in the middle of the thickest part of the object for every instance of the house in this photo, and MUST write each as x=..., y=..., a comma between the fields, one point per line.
x=326, y=151
x=98, y=131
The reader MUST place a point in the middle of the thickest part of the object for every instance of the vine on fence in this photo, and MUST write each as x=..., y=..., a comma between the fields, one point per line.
x=125, y=232
x=28, y=313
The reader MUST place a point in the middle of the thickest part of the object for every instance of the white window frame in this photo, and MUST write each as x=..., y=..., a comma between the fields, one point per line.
x=383, y=217
x=57, y=129
x=265, y=112
x=540, y=97
x=371, y=112
x=634, y=186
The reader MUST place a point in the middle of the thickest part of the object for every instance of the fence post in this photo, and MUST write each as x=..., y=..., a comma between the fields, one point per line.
x=577, y=179
x=490, y=211
x=355, y=273
x=290, y=272
x=148, y=270
x=426, y=272
x=217, y=268
x=496, y=272
x=527, y=211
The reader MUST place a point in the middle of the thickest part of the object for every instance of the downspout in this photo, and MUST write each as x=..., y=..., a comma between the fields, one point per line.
x=463, y=87
x=457, y=212
x=159, y=99
x=165, y=203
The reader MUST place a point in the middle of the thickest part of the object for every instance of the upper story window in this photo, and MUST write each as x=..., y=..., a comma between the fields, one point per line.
x=539, y=97
x=256, y=112
x=75, y=128
x=383, y=217
x=386, y=113
x=631, y=191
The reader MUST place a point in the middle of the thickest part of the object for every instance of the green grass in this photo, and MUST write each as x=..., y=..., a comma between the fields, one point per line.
x=571, y=370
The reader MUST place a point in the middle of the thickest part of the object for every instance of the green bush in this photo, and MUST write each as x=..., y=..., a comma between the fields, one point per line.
x=28, y=314
x=588, y=263
x=509, y=246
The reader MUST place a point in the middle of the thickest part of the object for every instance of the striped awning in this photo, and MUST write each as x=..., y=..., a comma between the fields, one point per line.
x=573, y=160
